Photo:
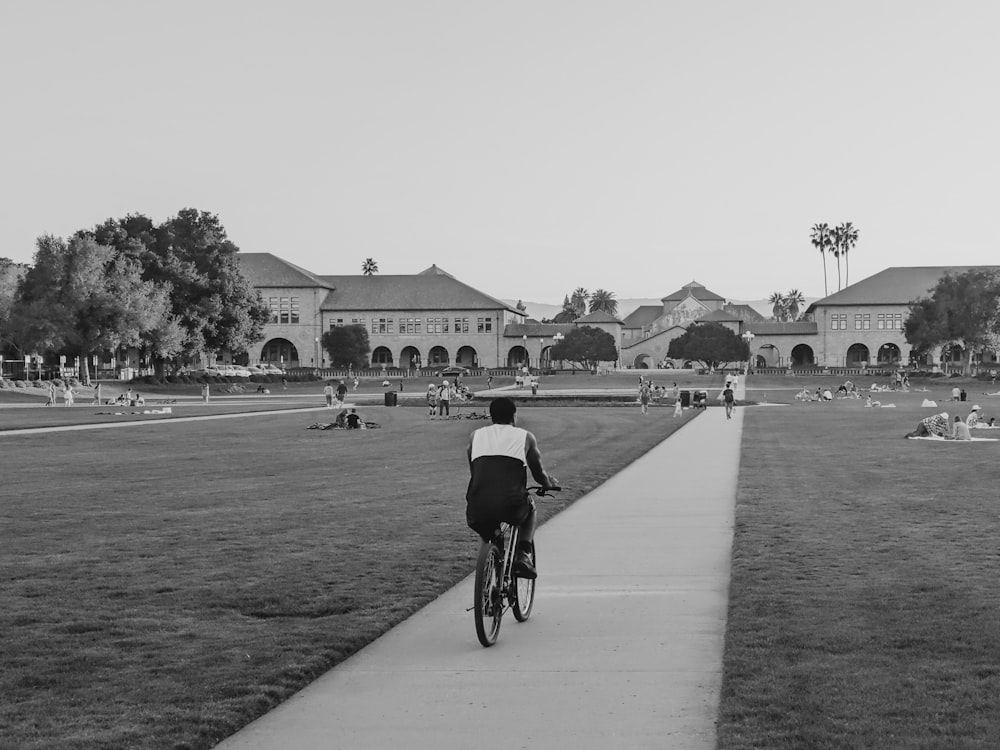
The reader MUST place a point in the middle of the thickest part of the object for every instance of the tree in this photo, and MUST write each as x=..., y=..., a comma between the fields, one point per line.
x=822, y=240
x=369, y=267
x=212, y=303
x=347, y=346
x=962, y=309
x=568, y=312
x=579, y=301
x=847, y=237
x=604, y=301
x=793, y=302
x=777, y=301
x=10, y=277
x=586, y=345
x=837, y=246
x=711, y=344
x=83, y=298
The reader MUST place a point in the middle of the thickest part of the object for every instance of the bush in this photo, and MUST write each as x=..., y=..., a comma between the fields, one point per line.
x=19, y=384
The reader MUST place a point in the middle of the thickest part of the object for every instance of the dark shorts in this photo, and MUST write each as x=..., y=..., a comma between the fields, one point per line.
x=487, y=526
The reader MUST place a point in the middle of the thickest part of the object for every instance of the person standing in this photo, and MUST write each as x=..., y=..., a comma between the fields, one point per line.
x=444, y=399
x=68, y=395
x=205, y=394
x=51, y=388
x=729, y=398
x=644, y=397
x=328, y=395
x=97, y=395
x=489, y=383
x=431, y=400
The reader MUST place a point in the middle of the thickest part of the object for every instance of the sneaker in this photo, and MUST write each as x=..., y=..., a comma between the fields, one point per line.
x=523, y=567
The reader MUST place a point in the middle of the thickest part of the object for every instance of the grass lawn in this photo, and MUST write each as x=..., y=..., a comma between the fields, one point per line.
x=864, y=606
x=165, y=584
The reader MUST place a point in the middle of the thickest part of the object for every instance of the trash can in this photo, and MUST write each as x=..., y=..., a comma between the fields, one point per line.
x=685, y=399
x=390, y=398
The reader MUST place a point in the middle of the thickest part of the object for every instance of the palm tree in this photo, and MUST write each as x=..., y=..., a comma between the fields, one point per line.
x=793, y=301
x=604, y=301
x=369, y=267
x=777, y=301
x=848, y=239
x=838, y=244
x=821, y=240
x=579, y=300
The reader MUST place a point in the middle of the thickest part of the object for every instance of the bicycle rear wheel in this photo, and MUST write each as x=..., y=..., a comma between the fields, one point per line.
x=523, y=593
x=488, y=604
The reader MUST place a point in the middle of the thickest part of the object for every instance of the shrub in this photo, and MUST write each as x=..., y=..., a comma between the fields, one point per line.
x=19, y=384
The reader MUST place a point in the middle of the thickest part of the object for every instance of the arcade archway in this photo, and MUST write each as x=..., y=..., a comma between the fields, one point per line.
x=280, y=352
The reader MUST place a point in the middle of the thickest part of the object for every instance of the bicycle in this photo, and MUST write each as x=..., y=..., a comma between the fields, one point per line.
x=497, y=589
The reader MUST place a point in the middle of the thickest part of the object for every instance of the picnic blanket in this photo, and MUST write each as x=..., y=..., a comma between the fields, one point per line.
x=945, y=440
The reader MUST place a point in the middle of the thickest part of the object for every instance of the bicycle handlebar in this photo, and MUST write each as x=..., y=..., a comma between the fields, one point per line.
x=543, y=491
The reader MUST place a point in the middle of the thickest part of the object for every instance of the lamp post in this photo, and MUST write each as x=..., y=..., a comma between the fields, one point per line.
x=557, y=339
x=748, y=337
x=527, y=359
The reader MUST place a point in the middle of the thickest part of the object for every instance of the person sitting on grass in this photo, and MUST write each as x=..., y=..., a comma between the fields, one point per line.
x=974, y=417
x=353, y=420
x=960, y=430
x=935, y=425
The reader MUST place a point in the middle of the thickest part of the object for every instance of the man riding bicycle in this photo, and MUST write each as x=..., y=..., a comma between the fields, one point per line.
x=498, y=455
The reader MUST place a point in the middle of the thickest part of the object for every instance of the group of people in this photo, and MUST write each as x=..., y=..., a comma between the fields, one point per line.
x=439, y=397
x=937, y=425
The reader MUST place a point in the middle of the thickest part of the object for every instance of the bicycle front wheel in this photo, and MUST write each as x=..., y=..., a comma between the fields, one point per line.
x=488, y=604
x=523, y=593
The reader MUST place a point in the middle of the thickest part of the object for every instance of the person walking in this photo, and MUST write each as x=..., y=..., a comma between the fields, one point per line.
x=97, y=395
x=729, y=399
x=205, y=395
x=68, y=395
x=644, y=397
x=328, y=395
x=444, y=399
x=51, y=388
x=341, y=392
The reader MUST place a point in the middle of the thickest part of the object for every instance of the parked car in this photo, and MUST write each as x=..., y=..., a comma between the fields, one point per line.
x=239, y=371
x=270, y=369
x=210, y=370
x=454, y=370
x=255, y=370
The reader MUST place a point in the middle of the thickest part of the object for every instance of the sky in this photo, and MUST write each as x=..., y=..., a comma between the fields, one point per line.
x=526, y=147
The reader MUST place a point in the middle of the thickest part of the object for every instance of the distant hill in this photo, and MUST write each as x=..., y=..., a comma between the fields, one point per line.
x=540, y=310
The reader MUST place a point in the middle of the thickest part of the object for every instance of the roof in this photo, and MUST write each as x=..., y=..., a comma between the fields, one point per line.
x=534, y=329
x=717, y=316
x=423, y=291
x=746, y=313
x=897, y=285
x=693, y=289
x=771, y=328
x=598, y=316
x=267, y=270
x=642, y=316
x=435, y=271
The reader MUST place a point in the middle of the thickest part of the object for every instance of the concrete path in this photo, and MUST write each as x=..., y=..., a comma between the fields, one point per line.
x=623, y=648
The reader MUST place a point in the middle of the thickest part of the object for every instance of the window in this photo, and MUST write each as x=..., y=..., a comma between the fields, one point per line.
x=890, y=321
x=461, y=325
x=484, y=325
x=382, y=325
x=862, y=321
x=838, y=322
x=437, y=325
x=284, y=309
x=336, y=323
x=409, y=325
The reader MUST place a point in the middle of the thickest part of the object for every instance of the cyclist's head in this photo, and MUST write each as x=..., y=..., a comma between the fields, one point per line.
x=502, y=410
